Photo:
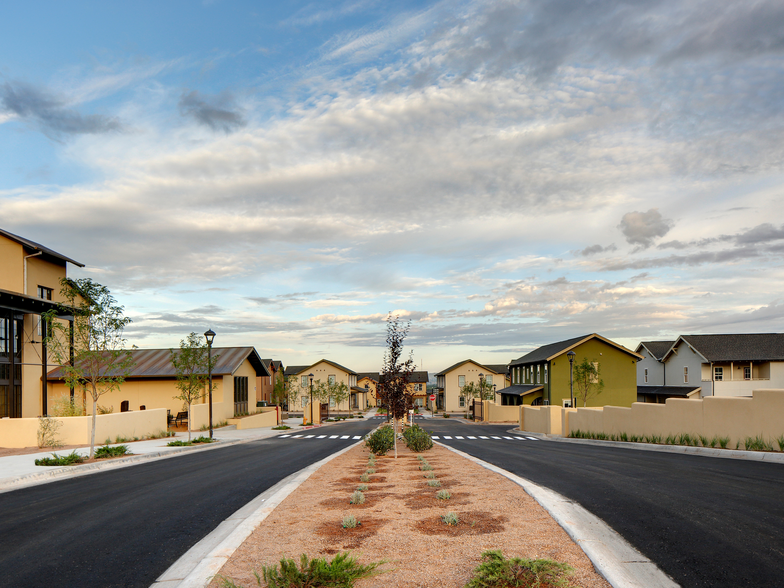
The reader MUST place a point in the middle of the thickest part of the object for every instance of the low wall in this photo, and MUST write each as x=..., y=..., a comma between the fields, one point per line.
x=496, y=413
x=266, y=418
x=77, y=430
x=736, y=418
x=542, y=419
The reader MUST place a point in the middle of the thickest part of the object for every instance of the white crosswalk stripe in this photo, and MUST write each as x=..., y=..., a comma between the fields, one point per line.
x=533, y=438
x=344, y=437
x=309, y=436
x=508, y=438
x=320, y=436
x=296, y=436
x=357, y=437
x=333, y=436
x=456, y=437
x=281, y=436
x=480, y=436
x=435, y=437
x=446, y=437
x=494, y=437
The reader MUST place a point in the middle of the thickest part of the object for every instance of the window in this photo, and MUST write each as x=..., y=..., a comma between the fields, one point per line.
x=747, y=373
x=718, y=374
x=305, y=401
x=645, y=375
x=537, y=374
x=545, y=373
x=304, y=381
x=685, y=374
x=45, y=293
x=461, y=381
x=332, y=402
x=489, y=379
x=462, y=401
x=331, y=379
x=417, y=387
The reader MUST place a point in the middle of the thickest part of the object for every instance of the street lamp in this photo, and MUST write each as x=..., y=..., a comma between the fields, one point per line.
x=310, y=376
x=494, y=394
x=367, y=394
x=571, y=355
x=210, y=336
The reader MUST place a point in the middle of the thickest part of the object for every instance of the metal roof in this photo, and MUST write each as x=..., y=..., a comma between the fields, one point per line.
x=38, y=247
x=156, y=363
x=370, y=375
x=741, y=347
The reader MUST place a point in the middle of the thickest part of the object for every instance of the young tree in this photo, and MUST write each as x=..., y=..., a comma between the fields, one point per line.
x=340, y=392
x=192, y=367
x=101, y=362
x=279, y=392
x=396, y=373
x=587, y=380
x=292, y=391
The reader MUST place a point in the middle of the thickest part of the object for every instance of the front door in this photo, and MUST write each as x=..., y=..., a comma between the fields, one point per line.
x=10, y=367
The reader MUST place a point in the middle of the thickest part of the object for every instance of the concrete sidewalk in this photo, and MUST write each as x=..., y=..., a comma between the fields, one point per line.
x=18, y=471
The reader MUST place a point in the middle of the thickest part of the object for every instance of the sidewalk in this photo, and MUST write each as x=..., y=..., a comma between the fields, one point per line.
x=18, y=471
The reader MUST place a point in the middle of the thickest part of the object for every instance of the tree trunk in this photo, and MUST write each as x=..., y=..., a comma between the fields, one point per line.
x=189, y=422
x=394, y=427
x=92, y=436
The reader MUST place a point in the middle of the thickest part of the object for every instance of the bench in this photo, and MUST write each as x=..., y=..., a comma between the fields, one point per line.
x=182, y=417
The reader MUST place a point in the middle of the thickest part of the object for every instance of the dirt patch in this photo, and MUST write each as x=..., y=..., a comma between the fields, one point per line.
x=469, y=523
x=403, y=525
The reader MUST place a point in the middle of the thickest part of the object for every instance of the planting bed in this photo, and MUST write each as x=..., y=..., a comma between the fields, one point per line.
x=401, y=523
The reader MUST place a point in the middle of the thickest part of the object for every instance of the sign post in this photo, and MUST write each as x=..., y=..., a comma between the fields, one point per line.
x=432, y=404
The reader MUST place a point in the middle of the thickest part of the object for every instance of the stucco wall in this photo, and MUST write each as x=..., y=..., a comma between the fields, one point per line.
x=11, y=269
x=541, y=419
x=268, y=417
x=738, y=418
x=496, y=413
x=77, y=430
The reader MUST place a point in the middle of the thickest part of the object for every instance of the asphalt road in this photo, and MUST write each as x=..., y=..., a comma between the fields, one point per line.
x=707, y=522
x=126, y=527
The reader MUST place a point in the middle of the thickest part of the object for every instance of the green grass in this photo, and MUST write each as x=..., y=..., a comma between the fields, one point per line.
x=281, y=428
x=203, y=439
x=60, y=460
x=179, y=443
x=496, y=571
x=106, y=451
x=342, y=572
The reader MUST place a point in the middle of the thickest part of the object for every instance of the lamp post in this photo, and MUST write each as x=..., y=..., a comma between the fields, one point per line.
x=571, y=355
x=494, y=395
x=481, y=393
x=310, y=376
x=367, y=394
x=210, y=336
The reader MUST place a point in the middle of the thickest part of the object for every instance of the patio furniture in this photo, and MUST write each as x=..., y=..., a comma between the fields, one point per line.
x=182, y=417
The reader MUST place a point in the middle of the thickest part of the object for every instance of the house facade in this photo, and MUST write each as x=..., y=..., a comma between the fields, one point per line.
x=152, y=383
x=543, y=375
x=328, y=372
x=369, y=381
x=30, y=276
x=450, y=382
x=265, y=385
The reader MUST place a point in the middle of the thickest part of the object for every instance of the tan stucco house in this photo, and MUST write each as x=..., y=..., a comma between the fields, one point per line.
x=450, y=381
x=326, y=371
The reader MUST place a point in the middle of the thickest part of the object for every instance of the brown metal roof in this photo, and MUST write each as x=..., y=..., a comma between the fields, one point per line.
x=38, y=247
x=156, y=363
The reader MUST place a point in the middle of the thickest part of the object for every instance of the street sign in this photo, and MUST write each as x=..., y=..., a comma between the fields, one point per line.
x=432, y=397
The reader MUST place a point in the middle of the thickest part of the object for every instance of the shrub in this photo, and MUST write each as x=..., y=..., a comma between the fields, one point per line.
x=60, y=460
x=714, y=441
x=370, y=471
x=350, y=522
x=430, y=475
x=495, y=571
x=433, y=483
x=381, y=440
x=425, y=467
x=364, y=477
x=757, y=444
x=343, y=572
x=282, y=427
x=443, y=495
x=704, y=441
x=105, y=409
x=362, y=487
x=47, y=432
x=106, y=451
x=780, y=441
x=64, y=406
x=446, y=415
x=450, y=519
x=723, y=442
x=179, y=443
x=357, y=497
x=417, y=439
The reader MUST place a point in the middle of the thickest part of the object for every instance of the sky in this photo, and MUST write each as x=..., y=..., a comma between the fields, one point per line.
x=502, y=174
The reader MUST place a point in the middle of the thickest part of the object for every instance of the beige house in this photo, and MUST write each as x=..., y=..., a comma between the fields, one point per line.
x=30, y=277
x=328, y=372
x=153, y=384
x=450, y=381
x=265, y=385
x=369, y=381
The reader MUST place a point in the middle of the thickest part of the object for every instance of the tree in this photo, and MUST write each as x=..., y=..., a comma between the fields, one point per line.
x=339, y=391
x=100, y=361
x=396, y=374
x=279, y=392
x=192, y=366
x=292, y=391
x=587, y=380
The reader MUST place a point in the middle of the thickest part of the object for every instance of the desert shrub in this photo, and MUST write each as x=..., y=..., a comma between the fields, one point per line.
x=106, y=451
x=723, y=442
x=370, y=471
x=425, y=467
x=350, y=522
x=417, y=439
x=341, y=572
x=757, y=444
x=430, y=475
x=780, y=441
x=433, y=483
x=179, y=443
x=443, y=495
x=496, y=571
x=704, y=441
x=65, y=406
x=357, y=497
x=362, y=487
x=364, y=477
x=446, y=415
x=203, y=439
x=105, y=409
x=381, y=440
x=47, y=432
x=282, y=427
x=60, y=460
x=450, y=519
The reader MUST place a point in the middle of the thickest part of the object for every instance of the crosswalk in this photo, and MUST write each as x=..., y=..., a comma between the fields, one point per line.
x=479, y=437
x=302, y=436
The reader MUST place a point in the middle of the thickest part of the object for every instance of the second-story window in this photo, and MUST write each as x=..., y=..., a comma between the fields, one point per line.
x=461, y=381
x=646, y=375
x=685, y=375
x=304, y=381
x=489, y=379
x=331, y=380
x=545, y=374
x=718, y=373
x=45, y=293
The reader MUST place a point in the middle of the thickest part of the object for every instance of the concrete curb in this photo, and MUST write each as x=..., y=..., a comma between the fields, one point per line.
x=765, y=456
x=197, y=567
x=615, y=559
x=52, y=475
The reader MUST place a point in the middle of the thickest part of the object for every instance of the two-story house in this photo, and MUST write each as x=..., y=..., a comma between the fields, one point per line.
x=30, y=276
x=450, y=383
x=328, y=372
x=265, y=385
x=543, y=376
x=652, y=375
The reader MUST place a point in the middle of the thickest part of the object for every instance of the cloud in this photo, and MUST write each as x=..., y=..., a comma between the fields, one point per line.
x=594, y=249
x=50, y=112
x=217, y=112
x=642, y=228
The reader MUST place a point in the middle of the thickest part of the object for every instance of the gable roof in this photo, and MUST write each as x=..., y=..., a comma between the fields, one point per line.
x=740, y=347
x=370, y=375
x=293, y=370
x=272, y=364
x=38, y=247
x=489, y=368
x=658, y=349
x=301, y=369
x=553, y=350
x=156, y=363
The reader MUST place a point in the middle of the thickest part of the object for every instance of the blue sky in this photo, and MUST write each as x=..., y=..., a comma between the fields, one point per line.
x=504, y=174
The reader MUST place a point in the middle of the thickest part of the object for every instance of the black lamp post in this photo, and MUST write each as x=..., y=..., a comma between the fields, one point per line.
x=210, y=336
x=367, y=394
x=311, y=398
x=494, y=394
x=571, y=355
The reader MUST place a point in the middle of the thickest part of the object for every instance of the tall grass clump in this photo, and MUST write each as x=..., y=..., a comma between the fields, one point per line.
x=495, y=571
x=450, y=519
x=357, y=497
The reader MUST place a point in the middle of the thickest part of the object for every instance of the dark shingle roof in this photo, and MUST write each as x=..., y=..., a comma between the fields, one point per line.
x=301, y=368
x=38, y=247
x=675, y=391
x=502, y=368
x=498, y=368
x=293, y=370
x=520, y=390
x=547, y=352
x=371, y=375
x=657, y=348
x=742, y=347
x=156, y=363
x=418, y=378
